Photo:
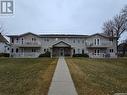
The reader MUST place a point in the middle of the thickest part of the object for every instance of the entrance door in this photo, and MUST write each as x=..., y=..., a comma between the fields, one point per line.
x=61, y=52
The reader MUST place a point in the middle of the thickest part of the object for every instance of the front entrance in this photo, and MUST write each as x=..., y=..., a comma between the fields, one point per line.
x=61, y=49
x=61, y=52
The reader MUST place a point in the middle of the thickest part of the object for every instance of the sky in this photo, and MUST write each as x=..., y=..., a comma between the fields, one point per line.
x=60, y=16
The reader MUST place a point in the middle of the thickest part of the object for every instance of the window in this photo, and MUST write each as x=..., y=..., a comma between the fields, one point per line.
x=22, y=40
x=111, y=50
x=97, y=51
x=78, y=41
x=73, y=51
x=82, y=51
x=96, y=41
x=73, y=41
x=12, y=50
x=44, y=50
x=83, y=41
x=22, y=50
x=12, y=40
x=32, y=39
x=78, y=51
x=17, y=40
x=17, y=50
x=33, y=50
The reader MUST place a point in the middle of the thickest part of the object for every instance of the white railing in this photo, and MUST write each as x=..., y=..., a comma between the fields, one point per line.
x=26, y=54
x=28, y=43
x=97, y=55
x=102, y=55
x=101, y=44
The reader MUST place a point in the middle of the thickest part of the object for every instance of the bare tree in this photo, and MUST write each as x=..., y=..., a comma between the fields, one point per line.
x=117, y=25
x=108, y=28
x=124, y=11
x=1, y=29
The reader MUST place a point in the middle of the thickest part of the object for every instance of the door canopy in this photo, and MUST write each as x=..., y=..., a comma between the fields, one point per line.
x=61, y=44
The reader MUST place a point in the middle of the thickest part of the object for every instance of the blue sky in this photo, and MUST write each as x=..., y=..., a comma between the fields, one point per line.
x=60, y=16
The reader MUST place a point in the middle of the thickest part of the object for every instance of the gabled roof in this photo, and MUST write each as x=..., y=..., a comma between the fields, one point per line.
x=62, y=43
x=61, y=35
x=28, y=33
x=2, y=39
x=101, y=34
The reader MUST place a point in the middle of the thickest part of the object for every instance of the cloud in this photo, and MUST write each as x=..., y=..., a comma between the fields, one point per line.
x=61, y=16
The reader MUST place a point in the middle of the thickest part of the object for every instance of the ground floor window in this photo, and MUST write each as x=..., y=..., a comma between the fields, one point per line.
x=44, y=50
x=73, y=51
x=82, y=51
x=33, y=50
x=12, y=50
x=97, y=51
x=111, y=50
x=78, y=51
x=17, y=50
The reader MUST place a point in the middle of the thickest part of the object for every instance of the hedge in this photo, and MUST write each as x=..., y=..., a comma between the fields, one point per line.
x=4, y=54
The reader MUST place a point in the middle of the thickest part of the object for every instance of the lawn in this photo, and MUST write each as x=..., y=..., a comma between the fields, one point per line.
x=99, y=76
x=26, y=76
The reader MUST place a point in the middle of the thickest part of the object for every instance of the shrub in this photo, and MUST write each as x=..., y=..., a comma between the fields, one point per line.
x=4, y=54
x=80, y=55
x=46, y=54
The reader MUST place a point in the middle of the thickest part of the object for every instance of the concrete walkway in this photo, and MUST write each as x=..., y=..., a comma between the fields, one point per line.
x=62, y=83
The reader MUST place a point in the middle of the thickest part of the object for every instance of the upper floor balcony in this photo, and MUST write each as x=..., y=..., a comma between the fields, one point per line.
x=28, y=44
x=99, y=45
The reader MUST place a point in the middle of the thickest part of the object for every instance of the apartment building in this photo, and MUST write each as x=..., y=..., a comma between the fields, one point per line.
x=32, y=45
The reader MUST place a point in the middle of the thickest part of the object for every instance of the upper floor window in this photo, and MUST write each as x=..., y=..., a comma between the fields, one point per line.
x=78, y=41
x=12, y=40
x=17, y=40
x=97, y=41
x=22, y=40
x=73, y=41
x=33, y=39
x=83, y=41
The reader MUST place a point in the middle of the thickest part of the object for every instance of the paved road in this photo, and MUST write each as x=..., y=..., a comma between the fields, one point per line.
x=62, y=83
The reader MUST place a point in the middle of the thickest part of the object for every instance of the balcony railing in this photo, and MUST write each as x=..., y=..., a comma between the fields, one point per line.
x=29, y=44
x=26, y=54
x=102, y=44
x=102, y=55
